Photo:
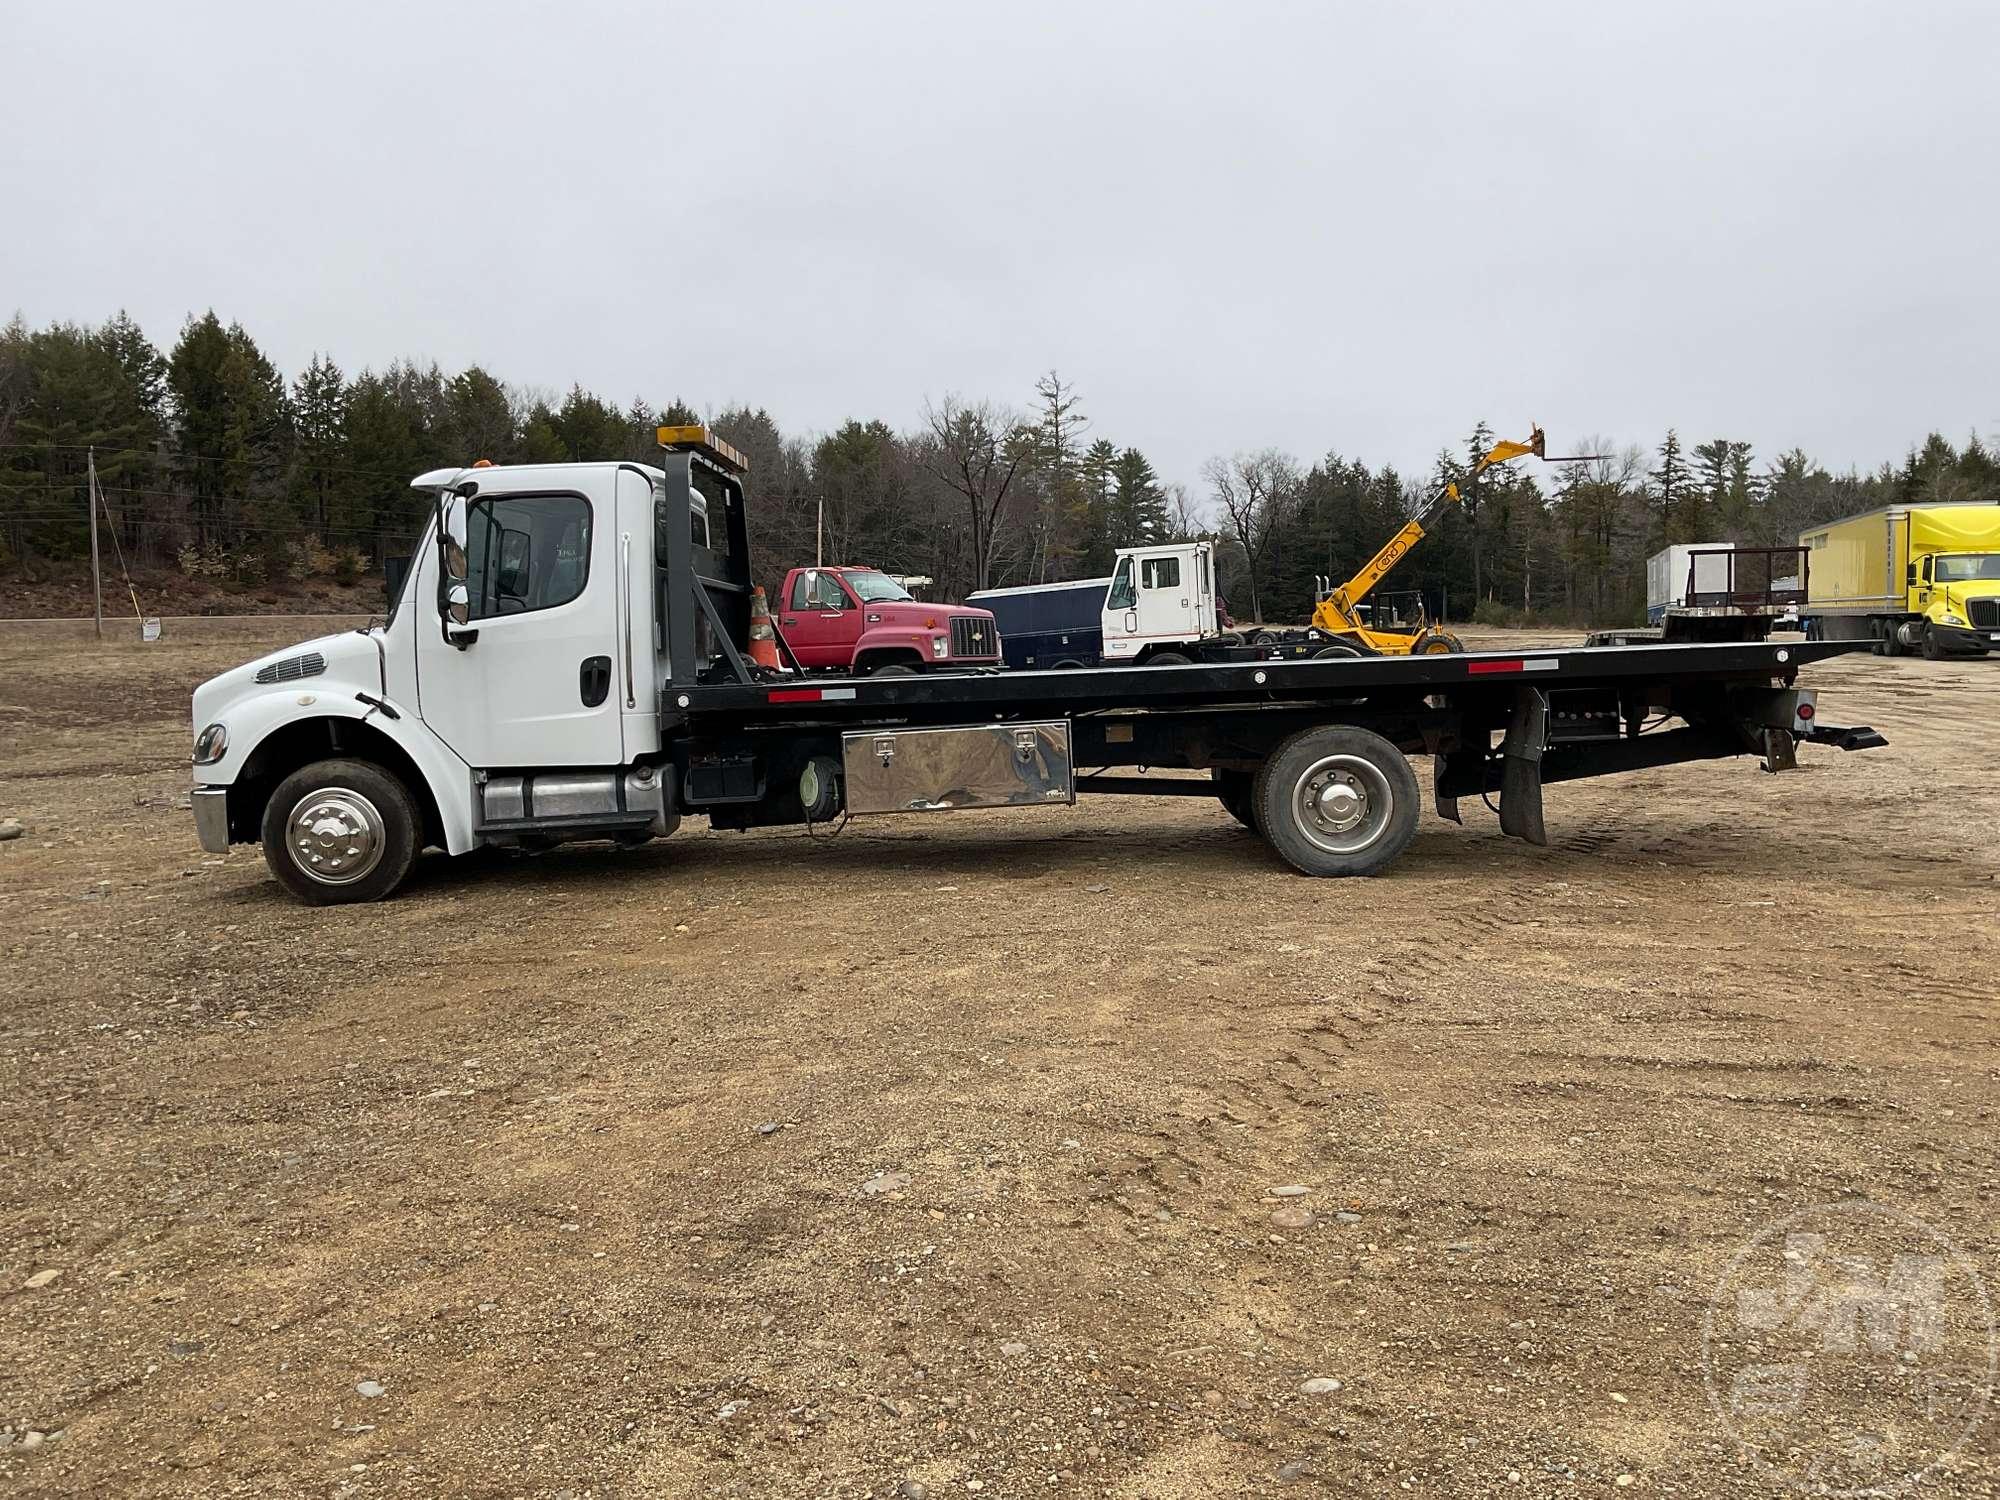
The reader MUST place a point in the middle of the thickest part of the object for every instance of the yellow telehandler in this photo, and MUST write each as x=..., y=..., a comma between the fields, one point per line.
x=1336, y=611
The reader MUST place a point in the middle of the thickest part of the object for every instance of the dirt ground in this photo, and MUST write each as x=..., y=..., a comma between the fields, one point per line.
x=940, y=1159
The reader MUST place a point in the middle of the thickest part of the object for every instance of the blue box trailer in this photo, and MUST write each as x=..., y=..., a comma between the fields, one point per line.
x=1046, y=625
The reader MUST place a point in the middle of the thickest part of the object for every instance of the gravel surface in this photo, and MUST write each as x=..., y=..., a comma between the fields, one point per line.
x=905, y=1165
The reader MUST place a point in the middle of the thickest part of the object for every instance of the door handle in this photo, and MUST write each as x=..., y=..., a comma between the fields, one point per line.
x=593, y=680
x=788, y=620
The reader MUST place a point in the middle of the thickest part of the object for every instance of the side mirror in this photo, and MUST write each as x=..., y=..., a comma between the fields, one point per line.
x=454, y=593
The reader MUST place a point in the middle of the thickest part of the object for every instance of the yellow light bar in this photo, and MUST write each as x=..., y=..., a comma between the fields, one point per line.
x=707, y=444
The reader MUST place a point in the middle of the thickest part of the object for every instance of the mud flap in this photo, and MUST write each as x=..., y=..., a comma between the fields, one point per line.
x=1444, y=765
x=1780, y=750
x=1521, y=767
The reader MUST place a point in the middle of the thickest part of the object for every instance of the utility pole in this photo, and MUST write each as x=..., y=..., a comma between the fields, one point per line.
x=819, y=536
x=96, y=575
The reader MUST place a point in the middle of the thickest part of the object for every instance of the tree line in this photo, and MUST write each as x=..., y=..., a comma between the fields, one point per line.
x=210, y=460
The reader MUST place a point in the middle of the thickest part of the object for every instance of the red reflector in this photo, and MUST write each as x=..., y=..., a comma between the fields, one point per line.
x=1805, y=710
x=793, y=695
x=1476, y=667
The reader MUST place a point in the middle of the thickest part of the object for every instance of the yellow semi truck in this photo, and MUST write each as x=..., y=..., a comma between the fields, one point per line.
x=1907, y=577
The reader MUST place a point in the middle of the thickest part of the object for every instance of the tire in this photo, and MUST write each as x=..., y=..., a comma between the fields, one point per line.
x=1929, y=646
x=1067, y=664
x=1318, y=779
x=1167, y=659
x=1263, y=638
x=360, y=827
x=1436, y=642
x=1335, y=650
x=1890, y=645
x=894, y=669
x=1236, y=791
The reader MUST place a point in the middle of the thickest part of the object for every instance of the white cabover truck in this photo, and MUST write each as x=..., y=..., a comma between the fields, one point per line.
x=570, y=657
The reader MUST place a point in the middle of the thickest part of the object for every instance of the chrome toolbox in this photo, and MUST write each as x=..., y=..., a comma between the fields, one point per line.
x=939, y=770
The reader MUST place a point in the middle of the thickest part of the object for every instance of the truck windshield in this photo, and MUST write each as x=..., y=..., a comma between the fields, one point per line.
x=875, y=588
x=1969, y=567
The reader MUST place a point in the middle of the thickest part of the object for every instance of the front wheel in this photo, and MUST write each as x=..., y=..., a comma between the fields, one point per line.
x=341, y=831
x=1931, y=649
x=894, y=669
x=1435, y=641
x=1337, y=801
x=1166, y=659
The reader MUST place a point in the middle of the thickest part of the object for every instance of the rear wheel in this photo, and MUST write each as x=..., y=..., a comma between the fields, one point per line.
x=1236, y=791
x=1337, y=801
x=1335, y=650
x=341, y=831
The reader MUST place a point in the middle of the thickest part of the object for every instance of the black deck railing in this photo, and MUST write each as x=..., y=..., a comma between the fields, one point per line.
x=1747, y=578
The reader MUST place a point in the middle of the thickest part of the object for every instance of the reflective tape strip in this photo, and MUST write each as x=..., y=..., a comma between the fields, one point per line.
x=808, y=695
x=1517, y=664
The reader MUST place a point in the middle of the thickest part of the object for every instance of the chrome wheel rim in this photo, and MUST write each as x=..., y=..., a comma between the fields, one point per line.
x=335, y=835
x=1342, y=803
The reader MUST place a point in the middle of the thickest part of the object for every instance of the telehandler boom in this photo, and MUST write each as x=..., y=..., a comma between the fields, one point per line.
x=1336, y=610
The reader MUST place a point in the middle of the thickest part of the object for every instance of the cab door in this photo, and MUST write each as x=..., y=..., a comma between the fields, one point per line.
x=537, y=679
x=1168, y=594
x=821, y=621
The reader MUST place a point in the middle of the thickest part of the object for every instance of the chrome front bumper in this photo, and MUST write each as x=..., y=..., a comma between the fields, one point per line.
x=211, y=818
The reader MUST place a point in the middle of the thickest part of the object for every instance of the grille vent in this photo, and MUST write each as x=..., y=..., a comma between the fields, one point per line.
x=293, y=668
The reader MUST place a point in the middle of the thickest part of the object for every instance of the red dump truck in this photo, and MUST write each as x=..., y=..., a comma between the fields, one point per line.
x=862, y=620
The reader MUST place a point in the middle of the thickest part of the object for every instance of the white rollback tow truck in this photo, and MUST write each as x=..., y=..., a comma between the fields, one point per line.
x=569, y=659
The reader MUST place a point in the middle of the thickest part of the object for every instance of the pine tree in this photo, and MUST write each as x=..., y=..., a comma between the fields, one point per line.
x=479, y=418
x=1060, y=516
x=1099, y=532
x=1139, y=507
x=1678, y=502
x=231, y=428
x=1722, y=476
x=319, y=415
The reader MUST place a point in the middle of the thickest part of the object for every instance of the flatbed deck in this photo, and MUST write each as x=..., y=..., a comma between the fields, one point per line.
x=1003, y=694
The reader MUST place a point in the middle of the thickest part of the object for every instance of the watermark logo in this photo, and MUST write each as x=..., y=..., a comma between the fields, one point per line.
x=1851, y=1350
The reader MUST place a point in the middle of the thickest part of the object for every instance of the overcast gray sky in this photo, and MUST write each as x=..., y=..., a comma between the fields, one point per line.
x=1337, y=226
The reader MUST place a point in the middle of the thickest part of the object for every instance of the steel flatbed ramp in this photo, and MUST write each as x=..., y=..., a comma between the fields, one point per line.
x=1005, y=694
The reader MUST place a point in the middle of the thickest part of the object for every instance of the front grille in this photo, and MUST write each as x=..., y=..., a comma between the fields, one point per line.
x=1985, y=613
x=972, y=636
x=293, y=668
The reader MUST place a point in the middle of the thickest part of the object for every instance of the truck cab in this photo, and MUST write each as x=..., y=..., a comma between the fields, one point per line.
x=1957, y=596
x=1161, y=601
x=854, y=619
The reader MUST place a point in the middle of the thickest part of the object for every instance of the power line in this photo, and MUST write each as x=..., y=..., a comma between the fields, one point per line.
x=176, y=455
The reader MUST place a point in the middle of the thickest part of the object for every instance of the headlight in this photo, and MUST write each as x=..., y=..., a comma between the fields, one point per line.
x=940, y=646
x=211, y=744
x=1951, y=619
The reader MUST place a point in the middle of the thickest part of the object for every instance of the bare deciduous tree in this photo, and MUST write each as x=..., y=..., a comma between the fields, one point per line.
x=1253, y=490
x=978, y=452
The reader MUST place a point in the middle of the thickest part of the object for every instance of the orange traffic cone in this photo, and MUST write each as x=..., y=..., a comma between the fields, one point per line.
x=763, y=639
